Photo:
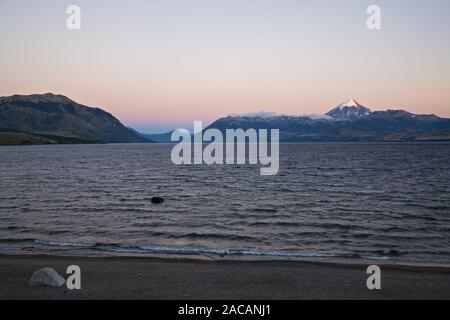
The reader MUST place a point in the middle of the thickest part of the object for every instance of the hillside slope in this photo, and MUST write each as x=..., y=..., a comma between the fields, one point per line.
x=58, y=115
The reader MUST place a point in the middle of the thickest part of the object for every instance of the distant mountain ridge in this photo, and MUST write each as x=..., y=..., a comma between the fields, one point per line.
x=57, y=115
x=349, y=121
x=159, y=137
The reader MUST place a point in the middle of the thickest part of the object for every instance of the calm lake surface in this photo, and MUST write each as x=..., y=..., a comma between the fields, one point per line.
x=356, y=201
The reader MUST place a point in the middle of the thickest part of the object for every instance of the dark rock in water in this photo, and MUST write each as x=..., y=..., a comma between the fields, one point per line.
x=157, y=200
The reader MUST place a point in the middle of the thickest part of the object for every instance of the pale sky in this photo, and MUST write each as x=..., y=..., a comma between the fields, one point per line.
x=158, y=65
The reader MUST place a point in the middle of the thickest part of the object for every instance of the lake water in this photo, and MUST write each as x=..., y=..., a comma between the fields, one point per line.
x=355, y=201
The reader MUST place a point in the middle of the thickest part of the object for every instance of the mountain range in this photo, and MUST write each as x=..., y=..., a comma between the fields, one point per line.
x=50, y=118
x=349, y=121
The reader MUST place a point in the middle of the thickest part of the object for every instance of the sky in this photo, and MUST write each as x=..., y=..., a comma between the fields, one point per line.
x=158, y=65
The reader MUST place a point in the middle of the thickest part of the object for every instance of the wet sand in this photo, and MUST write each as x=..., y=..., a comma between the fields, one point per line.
x=155, y=278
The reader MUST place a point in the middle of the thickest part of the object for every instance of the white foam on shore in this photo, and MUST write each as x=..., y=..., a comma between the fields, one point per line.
x=90, y=249
x=143, y=249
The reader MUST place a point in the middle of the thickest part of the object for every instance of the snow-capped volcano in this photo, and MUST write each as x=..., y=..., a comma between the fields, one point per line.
x=349, y=103
x=349, y=110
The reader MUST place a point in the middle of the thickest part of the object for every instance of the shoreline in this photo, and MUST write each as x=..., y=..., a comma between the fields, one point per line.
x=119, y=277
x=203, y=257
x=319, y=142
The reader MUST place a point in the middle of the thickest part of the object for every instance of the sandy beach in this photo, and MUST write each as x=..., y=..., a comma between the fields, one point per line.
x=155, y=278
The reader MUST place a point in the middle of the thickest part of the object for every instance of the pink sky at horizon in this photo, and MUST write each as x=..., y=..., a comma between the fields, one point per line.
x=175, y=117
